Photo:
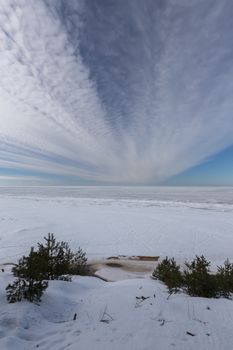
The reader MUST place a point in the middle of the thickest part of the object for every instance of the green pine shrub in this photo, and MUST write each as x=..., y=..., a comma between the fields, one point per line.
x=29, y=284
x=169, y=272
x=58, y=262
x=22, y=288
x=197, y=278
x=224, y=278
x=78, y=264
x=15, y=291
x=51, y=261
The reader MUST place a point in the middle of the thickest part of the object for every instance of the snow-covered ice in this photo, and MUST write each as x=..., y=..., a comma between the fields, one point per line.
x=178, y=222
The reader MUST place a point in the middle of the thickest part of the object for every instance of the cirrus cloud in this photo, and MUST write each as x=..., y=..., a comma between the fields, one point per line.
x=114, y=91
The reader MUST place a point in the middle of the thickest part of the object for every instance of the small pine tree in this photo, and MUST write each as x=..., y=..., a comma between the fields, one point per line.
x=52, y=261
x=197, y=278
x=29, y=267
x=15, y=291
x=224, y=278
x=34, y=290
x=169, y=272
x=29, y=285
x=78, y=264
x=30, y=290
x=58, y=261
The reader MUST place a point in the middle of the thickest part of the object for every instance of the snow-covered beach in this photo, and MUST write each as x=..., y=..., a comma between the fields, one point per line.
x=107, y=222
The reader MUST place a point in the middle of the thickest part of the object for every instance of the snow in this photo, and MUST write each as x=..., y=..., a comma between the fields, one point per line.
x=175, y=222
x=130, y=322
x=116, y=274
x=113, y=226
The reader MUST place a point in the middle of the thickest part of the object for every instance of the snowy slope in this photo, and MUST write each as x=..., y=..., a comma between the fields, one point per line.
x=154, y=323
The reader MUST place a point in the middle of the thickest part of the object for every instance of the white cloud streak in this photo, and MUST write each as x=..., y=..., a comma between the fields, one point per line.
x=178, y=105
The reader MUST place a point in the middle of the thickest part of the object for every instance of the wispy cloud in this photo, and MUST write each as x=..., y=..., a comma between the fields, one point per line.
x=125, y=92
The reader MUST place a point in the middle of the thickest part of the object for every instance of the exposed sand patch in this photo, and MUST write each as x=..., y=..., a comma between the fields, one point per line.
x=122, y=267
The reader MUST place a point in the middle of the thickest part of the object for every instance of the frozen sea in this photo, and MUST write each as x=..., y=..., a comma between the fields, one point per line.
x=210, y=196
x=174, y=221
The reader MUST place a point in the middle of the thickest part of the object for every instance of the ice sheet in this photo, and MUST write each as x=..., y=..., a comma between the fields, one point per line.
x=111, y=221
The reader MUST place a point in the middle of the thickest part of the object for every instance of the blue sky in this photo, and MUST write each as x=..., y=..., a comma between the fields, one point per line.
x=217, y=171
x=116, y=92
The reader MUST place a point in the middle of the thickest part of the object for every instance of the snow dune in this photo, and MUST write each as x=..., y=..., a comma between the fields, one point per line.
x=114, y=316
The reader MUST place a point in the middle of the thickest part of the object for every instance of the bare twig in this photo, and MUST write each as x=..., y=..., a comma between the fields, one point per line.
x=192, y=334
x=106, y=317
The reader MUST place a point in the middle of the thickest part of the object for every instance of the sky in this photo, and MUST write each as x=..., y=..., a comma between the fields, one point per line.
x=126, y=92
